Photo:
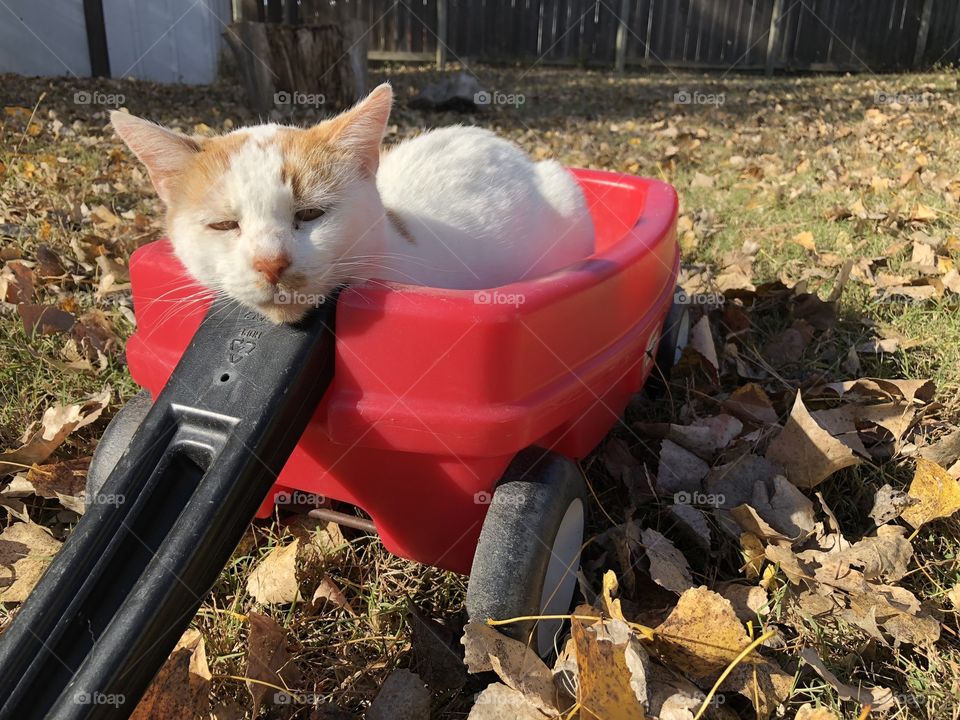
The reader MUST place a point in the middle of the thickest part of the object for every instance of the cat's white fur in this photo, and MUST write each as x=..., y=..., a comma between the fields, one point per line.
x=456, y=207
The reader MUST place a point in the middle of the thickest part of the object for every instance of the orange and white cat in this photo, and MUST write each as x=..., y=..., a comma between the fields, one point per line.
x=274, y=216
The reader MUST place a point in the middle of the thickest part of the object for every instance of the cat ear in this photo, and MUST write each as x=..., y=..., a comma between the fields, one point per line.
x=361, y=128
x=164, y=153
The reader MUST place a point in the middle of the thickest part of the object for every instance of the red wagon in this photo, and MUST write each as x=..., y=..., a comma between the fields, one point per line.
x=454, y=415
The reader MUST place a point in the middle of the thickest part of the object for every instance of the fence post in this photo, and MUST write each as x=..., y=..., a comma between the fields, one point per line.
x=772, y=35
x=622, y=28
x=923, y=35
x=441, y=33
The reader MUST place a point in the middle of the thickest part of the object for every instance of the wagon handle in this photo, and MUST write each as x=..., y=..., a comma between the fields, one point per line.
x=125, y=585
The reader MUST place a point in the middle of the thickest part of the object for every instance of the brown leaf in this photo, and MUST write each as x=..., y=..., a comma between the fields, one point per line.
x=437, y=653
x=94, y=335
x=764, y=683
x=19, y=281
x=937, y=494
x=920, y=391
x=807, y=452
x=788, y=346
x=25, y=551
x=328, y=592
x=880, y=698
x=668, y=566
x=819, y=314
x=49, y=265
x=181, y=688
x=751, y=404
x=51, y=481
x=44, y=319
x=268, y=660
x=514, y=662
x=57, y=423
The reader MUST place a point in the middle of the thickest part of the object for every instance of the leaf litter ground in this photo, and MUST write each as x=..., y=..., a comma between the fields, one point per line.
x=774, y=536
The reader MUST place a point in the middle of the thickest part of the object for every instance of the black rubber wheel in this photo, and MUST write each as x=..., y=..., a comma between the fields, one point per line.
x=114, y=442
x=529, y=548
x=674, y=336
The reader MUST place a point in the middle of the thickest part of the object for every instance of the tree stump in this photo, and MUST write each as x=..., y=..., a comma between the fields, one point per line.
x=322, y=65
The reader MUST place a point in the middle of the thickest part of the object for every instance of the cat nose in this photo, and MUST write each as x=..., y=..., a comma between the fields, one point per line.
x=271, y=267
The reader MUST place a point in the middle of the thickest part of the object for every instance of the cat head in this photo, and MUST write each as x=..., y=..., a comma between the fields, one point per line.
x=269, y=215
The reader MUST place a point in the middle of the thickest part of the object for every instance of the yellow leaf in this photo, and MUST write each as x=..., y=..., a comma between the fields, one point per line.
x=923, y=213
x=937, y=493
x=805, y=240
x=604, y=672
x=702, y=635
x=610, y=586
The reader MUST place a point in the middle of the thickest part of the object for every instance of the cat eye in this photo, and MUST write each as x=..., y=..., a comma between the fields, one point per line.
x=308, y=215
x=225, y=225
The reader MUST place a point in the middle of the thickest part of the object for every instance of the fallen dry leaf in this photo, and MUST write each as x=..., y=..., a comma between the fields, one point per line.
x=274, y=579
x=807, y=452
x=702, y=635
x=937, y=494
x=268, y=660
x=888, y=504
x=805, y=240
x=751, y=404
x=880, y=698
x=611, y=671
x=497, y=701
x=181, y=688
x=44, y=319
x=25, y=551
x=437, y=652
x=668, y=566
x=57, y=423
x=514, y=662
x=679, y=469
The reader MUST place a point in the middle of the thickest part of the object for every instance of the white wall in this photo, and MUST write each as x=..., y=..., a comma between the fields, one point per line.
x=165, y=40
x=43, y=37
x=162, y=40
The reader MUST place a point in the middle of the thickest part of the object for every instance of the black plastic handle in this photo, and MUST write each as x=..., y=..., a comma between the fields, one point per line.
x=125, y=585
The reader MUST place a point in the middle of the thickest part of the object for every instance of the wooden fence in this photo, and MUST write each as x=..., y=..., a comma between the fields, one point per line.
x=854, y=35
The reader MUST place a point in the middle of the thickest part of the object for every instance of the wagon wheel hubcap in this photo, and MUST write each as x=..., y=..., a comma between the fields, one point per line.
x=561, y=575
